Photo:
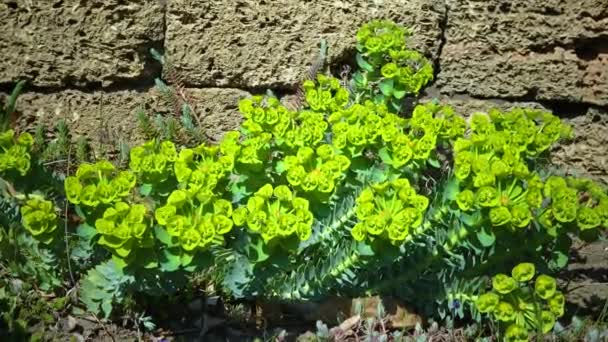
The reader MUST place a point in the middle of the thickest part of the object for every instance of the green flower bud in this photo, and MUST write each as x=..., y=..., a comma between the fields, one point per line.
x=503, y=284
x=190, y=239
x=505, y=312
x=545, y=286
x=523, y=272
x=164, y=214
x=500, y=216
x=516, y=333
x=557, y=303
x=547, y=321
x=465, y=200
x=487, y=302
x=73, y=188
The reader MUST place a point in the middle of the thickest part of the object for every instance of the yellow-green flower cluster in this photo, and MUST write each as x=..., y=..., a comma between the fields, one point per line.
x=514, y=302
x=528, y=132
x=362, y=124
x=275, y=214
x=578, y=201
x=318, y=170
x=195, y=221
x=326, y=95
x=381, y=36
x=200, y=169
x=14, y=153
x=124, y=228
x=492, y=167
x=39, y=218
x=153, y=162
x=382, y=42
x=434, y=119
x=265, y=114
x=98, y=184
x=389, y=210
x=266, y=118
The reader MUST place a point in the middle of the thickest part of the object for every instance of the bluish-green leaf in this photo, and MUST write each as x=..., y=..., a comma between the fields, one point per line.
x=363, y=64
x=386, y=86
x=451, y=190
x=385, y=156
x=145, y=189
x=485, y=237
x=162, y=236
x=434, y=162
x=170, y=259
x=86, y=232
x=399, y=94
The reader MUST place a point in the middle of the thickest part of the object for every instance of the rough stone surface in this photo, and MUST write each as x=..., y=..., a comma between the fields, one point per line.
x=56, y=43
x=588, y=153
x=537, y=50
x=251, y=43
x=88, y=113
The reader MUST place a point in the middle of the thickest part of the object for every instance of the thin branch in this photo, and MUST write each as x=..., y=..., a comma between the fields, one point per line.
x=65, y=225
x=56, y=162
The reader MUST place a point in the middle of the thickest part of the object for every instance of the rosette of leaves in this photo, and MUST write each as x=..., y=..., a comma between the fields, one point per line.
x=391, y=211
x=124, y=230
x=315, y=171
x=193, y=223
x=98, y=185
x=152, y=162
x=522, y=304
x=388, y=71
x=15, y=152
x=39, y=218
x=575, y=203
x=279, y=217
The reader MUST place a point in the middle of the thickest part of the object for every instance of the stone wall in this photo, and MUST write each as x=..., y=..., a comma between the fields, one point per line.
x=88, y=61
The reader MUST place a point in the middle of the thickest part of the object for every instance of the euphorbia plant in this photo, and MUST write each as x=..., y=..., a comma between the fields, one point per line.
x=521, y=306
x=347, y=195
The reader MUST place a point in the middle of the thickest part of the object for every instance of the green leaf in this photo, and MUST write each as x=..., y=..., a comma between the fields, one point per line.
x=365, y=249
x=86, y=232
x=280, y=167
x=259, y=254
x=434, y=162
x=559, y=259
x=451, y=190
x=396, y=105
x=486, y=239
x=80, y=213
x=170, y=259
x=471, y=220
x=186, y=258
x=385, y=156
x=120, y=262
x=399, y=94
x=386, y=86
x=145, y=189
x=363, y=64
x=162, y=236
x=106, y=307
x=360, y=80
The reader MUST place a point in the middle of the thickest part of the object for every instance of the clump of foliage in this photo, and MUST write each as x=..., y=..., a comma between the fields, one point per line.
x=521, y=307
x=349, y=195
